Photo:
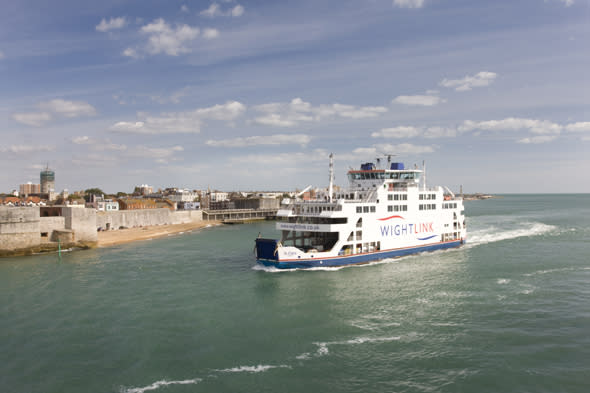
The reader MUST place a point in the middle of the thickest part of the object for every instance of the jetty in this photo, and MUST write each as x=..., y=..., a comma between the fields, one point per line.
x=239, y=216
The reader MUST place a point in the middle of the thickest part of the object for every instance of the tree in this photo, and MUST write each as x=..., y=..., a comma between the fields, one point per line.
x=92, y=191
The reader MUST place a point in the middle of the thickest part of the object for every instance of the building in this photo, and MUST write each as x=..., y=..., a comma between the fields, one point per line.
x=144, y=203
x=47, y=181
x=29, y=188
x=183, y=196
x=107, y=205
x=144, y=189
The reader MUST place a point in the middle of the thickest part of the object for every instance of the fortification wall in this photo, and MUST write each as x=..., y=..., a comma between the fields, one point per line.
x=186, y=216
x=49, y=224
x=83, y=222
x=145, y=217
x=19, y=228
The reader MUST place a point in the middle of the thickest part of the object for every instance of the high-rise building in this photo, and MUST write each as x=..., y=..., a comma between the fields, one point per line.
x=47, y=181
x=29, y=188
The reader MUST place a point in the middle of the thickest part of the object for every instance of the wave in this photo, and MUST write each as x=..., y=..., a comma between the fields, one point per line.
x=251, y=369
x=494, y=234
x=323, y=347
x=322, y=350
x=558, y=270
x=162, y=383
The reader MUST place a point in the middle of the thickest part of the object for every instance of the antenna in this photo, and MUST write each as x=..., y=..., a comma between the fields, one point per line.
x=388, y=155
x=424, y=175
x=331, y=187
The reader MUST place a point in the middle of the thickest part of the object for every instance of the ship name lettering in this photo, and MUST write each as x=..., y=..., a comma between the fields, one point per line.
x=406, y=229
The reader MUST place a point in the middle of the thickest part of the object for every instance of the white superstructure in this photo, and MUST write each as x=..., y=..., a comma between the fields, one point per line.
x=383, y=213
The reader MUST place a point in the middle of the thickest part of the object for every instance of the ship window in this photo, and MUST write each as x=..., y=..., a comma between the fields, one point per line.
x=359, y=209
x=359, y=223
x=389, y=208
x=365, y=209
x=372, y=209
x=390, y=197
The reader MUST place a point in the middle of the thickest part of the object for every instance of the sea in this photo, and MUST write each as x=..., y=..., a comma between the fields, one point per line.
x=193, y=312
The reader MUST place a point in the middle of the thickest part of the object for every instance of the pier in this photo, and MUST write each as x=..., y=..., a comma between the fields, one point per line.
x=238, y=216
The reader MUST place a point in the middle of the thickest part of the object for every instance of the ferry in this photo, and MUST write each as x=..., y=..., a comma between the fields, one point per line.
x=385, y=213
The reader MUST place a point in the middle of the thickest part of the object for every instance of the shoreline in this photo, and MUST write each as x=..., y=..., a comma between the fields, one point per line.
x=129, y=235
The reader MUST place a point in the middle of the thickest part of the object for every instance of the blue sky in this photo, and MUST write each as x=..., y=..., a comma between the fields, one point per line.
x=244, y=95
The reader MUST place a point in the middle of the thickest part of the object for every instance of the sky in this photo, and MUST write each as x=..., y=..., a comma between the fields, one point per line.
x=493, y=96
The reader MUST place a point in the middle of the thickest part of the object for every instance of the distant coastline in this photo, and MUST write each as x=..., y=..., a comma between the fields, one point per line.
x=479, y=197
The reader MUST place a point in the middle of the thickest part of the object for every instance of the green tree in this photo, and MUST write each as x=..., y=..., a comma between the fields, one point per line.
x=92, y=191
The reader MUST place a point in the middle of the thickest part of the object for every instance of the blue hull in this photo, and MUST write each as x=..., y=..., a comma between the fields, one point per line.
x=271, y=260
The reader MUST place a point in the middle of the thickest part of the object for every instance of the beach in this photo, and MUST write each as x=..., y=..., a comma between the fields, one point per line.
x=121, y=236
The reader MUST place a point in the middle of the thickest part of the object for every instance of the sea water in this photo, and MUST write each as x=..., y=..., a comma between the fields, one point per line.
x=508, y=312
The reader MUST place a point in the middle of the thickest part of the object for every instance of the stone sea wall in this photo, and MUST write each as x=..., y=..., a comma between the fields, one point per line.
x=145, y=217
x=19, y=228
x=23, y=231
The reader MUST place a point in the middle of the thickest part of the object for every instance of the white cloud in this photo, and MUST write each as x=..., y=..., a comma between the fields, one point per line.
x=279, y=139
x=284, y=160
x=537, y=139
x=177, y=123
x=350, y=111
x=363, y=153
x=292, y=113
x=407, y=148
x=423, y=100
x=514, y=124
x=165, y=39
x=157, y=153
x=130, y=52
x=238, y=10
x=98, y=144
x=440, y=132
x=17, y=149
x=401, y=132
x=184, y=8
x=225, y=112
x=408, y=3
x=111, y=24
x=578, y=127
x=52, y=108
x=68, y=108
x=180, y=122
x=397, y=132
x=567, y=2
x=34, y=119
x=212, y=11
x=215, y=10
x=480, y=79
x=210, y=33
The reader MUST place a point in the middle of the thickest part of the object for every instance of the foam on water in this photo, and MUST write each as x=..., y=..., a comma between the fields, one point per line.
x=322, y=350
x=251, y=369
x=494, y=234
x=551, y=271
x=162, y=383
